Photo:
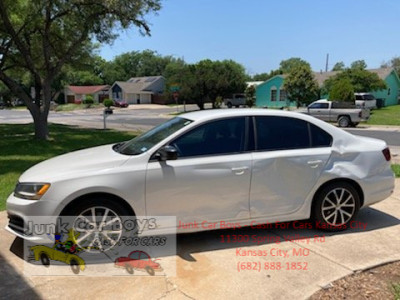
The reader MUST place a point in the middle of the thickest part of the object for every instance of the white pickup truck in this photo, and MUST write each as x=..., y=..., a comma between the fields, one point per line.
x=344, y=114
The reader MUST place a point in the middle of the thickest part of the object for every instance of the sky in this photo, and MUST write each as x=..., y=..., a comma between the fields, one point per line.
x=259, y=34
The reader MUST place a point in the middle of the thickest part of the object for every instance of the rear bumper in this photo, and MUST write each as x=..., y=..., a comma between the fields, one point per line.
x=378, y=188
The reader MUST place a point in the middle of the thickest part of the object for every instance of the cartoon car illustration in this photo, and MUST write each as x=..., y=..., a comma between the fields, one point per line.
x=138, y=260
x=64, y=252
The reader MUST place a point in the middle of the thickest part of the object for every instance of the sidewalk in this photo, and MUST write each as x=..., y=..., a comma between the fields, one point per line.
x=207, y=268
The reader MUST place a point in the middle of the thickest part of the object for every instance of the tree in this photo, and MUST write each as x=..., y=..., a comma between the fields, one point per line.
x=358, y=64
x=342, y=90
x=339, y=66
x=266, y=76
x=288, y=65
x=43, y=36
x=361, y=80
x=393, y=63
x=206, y=80
x=301, y=86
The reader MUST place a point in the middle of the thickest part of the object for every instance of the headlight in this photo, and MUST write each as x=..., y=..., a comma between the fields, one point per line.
x=31, y=191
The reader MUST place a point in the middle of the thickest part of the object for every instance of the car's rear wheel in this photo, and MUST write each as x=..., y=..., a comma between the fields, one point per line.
x=100, y=225
x=229, y=105
x=344, y=121
x=336, y=205
x=44, y=258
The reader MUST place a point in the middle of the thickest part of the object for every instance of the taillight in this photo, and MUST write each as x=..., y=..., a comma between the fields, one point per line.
x=386, y=154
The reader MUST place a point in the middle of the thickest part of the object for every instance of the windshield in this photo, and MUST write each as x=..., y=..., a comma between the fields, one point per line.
x=147, y=140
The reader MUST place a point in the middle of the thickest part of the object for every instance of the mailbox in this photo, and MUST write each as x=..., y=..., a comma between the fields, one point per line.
x=108, y=111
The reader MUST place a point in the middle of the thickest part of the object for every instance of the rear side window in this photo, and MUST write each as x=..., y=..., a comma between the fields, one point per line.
x=285, y=133
x=280, y=133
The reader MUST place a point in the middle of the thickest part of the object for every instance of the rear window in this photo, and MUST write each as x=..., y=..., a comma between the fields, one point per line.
x=369, y=97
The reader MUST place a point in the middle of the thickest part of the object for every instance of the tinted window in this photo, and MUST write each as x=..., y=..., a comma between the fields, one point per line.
x=277, y=133
x=217, y=137
x=319, y=105
x=134, y=255
x=358, y=97
x=319, y=138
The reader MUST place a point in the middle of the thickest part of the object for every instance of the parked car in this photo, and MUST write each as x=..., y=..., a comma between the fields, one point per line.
x=120, y=103
x=236, y=100
x=138, y=260
x=344, y=114
x=212, y=168
x=365, y=100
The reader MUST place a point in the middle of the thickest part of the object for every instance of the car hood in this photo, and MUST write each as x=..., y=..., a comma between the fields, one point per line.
x=97, y=159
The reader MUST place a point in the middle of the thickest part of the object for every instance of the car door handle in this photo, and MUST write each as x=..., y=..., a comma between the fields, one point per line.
x=314, y=163
x=239, y=170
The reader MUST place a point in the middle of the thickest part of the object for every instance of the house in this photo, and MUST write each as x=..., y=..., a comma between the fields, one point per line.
x=139, y=90
x=75, y=93
x=271, y=93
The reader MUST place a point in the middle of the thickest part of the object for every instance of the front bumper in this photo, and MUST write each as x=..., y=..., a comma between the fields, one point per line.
x=30, y=219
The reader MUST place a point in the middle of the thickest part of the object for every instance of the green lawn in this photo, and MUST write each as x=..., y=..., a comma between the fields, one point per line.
x=396, y=170
x=19, y=151
x=73, y=106
x=389, y=115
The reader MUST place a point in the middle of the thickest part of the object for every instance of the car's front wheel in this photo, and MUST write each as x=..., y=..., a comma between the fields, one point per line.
x=336, y=205
x=100, y=225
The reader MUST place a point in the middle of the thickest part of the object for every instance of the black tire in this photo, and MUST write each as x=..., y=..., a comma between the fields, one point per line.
x=75, y=268
x=129, y=268
x=150, y=270
x=229, y=104
x=335, y=206
x=44, y=258
x=114, y=210
x=344, y=121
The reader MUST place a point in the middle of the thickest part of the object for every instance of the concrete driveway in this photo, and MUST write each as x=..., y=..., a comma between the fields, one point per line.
x=207, y=268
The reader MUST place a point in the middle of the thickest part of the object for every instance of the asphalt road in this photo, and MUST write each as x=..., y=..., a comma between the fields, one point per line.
x=144, y=119
x=390, y=137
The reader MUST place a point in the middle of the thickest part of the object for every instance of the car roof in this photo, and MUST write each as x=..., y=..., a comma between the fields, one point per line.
x=208, y=114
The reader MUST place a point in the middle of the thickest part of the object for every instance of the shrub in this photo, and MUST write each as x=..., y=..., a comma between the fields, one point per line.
x=108, y=103
x=250, y=96
x=218, y=102
x=88, y=101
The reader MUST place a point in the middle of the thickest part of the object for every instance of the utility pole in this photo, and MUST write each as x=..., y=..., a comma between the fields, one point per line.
x=327, y=62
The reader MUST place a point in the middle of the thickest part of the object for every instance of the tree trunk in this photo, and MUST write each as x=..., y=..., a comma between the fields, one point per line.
x=41, y=128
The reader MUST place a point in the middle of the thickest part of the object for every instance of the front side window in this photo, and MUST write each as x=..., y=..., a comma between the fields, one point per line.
x=225, y=136
x=285, y=133
x=319, y=105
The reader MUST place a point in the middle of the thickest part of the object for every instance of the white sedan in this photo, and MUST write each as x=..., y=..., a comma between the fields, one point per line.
x=218, y=167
